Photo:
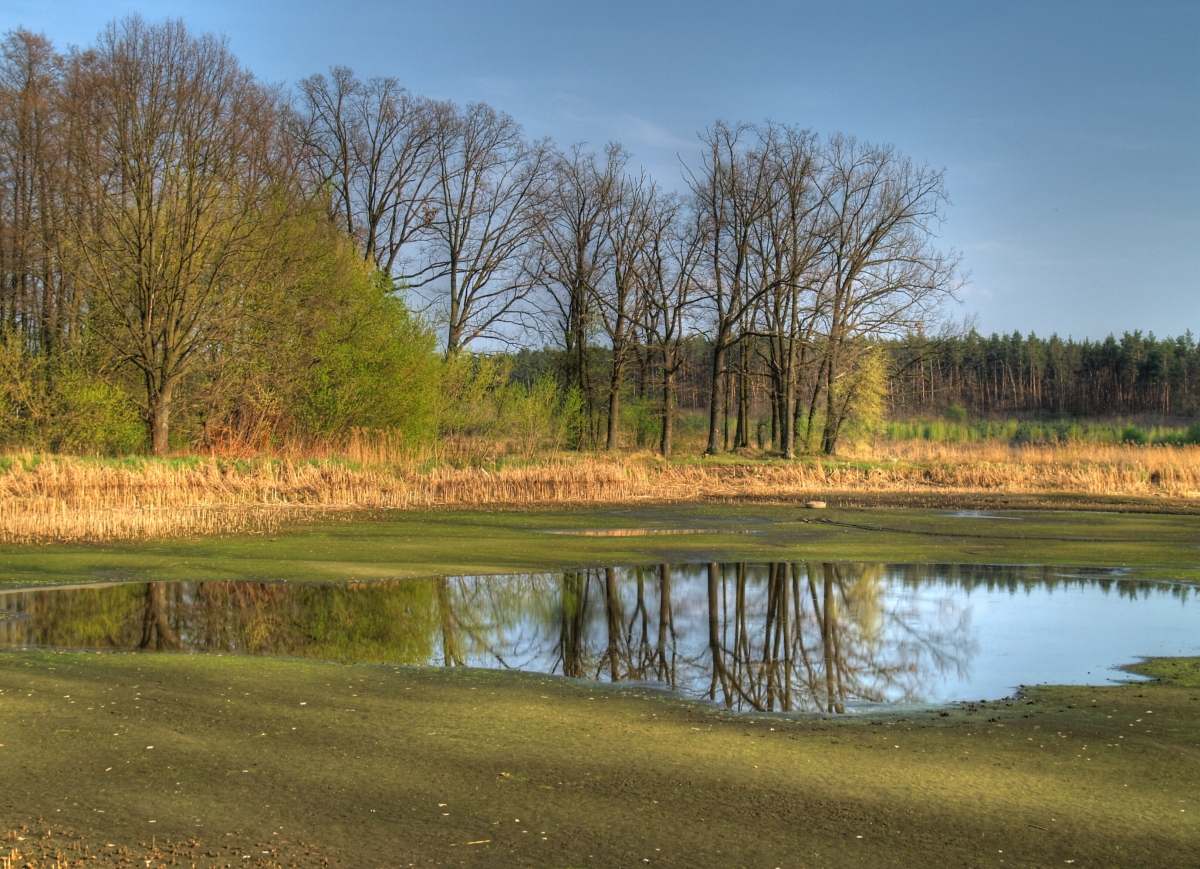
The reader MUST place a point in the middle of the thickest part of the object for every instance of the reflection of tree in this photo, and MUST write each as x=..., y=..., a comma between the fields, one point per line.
x=817, y=637
x=156, y=627
x=626, y=652
x=664, y=667
x=750, y=636
x=451, y=656
x=369, y=622
x=572, y=623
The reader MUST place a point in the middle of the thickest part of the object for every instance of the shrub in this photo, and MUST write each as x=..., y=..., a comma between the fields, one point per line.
x=956, y=413
x=95, y=417
x=1133, y=434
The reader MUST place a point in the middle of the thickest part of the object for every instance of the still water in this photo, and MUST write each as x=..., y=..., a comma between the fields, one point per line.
x=784, y=636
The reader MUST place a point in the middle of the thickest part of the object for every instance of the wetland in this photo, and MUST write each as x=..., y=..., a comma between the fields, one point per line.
x=315, y=719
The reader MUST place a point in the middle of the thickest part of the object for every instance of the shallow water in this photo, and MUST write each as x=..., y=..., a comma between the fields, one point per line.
x=785, y=636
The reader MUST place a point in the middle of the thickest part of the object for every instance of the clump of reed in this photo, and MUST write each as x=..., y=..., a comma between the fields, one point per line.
x=71, y=499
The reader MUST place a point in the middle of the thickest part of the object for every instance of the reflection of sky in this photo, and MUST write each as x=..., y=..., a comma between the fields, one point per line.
x=940, y=642
x=905, y=633
x=1070, y=635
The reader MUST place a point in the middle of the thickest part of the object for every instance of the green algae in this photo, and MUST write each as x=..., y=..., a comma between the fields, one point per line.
x=375, y=765
x=395, y=545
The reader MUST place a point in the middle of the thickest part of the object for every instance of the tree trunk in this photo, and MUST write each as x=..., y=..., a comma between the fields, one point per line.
x=787, y=413
x=614, y=415
x=664, y=621
x=714, y=403
x=829, y=436
x=668, y=412
x=156, y=627
x=451, y=656
x=612, y=607
x=827, y=629
x=159, y=401
x=740, y=434
x=714, y=636
x=727, y=396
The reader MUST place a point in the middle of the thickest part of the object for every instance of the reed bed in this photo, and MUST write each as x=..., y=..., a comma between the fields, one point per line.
x=70, y=499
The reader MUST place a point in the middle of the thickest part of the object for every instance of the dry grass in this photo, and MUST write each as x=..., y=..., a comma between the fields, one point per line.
x=69, y=499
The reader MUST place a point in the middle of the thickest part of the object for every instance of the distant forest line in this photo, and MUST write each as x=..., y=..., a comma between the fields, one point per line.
x=990, y=387
x=193, y=261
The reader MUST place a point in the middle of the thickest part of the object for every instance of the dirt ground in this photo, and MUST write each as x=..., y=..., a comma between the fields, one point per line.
x=208, y=761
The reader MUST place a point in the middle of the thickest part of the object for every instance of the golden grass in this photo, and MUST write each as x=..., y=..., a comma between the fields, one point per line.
x=69, y=499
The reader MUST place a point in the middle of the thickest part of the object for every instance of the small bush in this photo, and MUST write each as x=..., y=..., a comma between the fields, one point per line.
x=1133, y=434
x=956, y=413
x=94, y=417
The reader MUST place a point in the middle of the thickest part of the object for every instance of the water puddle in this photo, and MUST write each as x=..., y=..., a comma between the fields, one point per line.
x=650, y=532
x=769, y=636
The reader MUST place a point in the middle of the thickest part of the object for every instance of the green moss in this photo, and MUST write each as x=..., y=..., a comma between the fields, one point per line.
x=376, y=765
x=1184, y=672
x=428, y=543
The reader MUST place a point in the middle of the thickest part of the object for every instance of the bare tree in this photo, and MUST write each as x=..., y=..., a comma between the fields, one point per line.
x=885, y=276
x=174, y=157
x=484, y=210
x=672, y=255
x=36, y=296
x=731, y=190
x=787, y=264
x=371, y=144
x=620, y=298
x=573, y=248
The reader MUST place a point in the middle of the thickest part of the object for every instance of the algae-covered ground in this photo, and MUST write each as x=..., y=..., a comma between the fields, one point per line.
x=405, y=544
x=159, y=759
x=222, y=761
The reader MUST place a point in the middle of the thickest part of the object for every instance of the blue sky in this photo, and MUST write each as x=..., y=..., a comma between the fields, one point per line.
x=1070, y=131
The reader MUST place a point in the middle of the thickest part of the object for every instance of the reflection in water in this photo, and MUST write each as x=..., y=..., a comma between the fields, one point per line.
x=783, y=637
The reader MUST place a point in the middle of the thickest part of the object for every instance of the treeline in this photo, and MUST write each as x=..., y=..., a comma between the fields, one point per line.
x=190, y=258
x=1012, y=375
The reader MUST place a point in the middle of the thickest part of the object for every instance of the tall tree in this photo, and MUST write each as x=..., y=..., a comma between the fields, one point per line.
x=787, y=265
x=484, y=209
x=885, y=276
x=672, y=255
x=174, y=159
x=371, y=144
x=730, y=189
x=620, y=298
x=573, y=251
x=35, y=294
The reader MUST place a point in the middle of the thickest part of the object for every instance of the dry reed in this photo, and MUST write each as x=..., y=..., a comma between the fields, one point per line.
x=66, y=499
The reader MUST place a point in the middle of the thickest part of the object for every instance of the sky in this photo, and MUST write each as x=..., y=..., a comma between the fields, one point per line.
x=1069, y=131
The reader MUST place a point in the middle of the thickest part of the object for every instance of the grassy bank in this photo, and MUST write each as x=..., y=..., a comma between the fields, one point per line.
x=371, y=765
x=71, y=499
x=399, y=544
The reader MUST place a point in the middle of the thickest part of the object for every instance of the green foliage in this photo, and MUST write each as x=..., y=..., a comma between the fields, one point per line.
x=1027, y=375
x=531, y=414
x=94, y=417
x=469, y=396
x=956, y=413
x=57, y=404
x=373, y=367
x=1039, y=432
x=330, y=347
x=642, y=418
x=860, y=394
x=24, y=404
x=1133, y=434
x=479, y=398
